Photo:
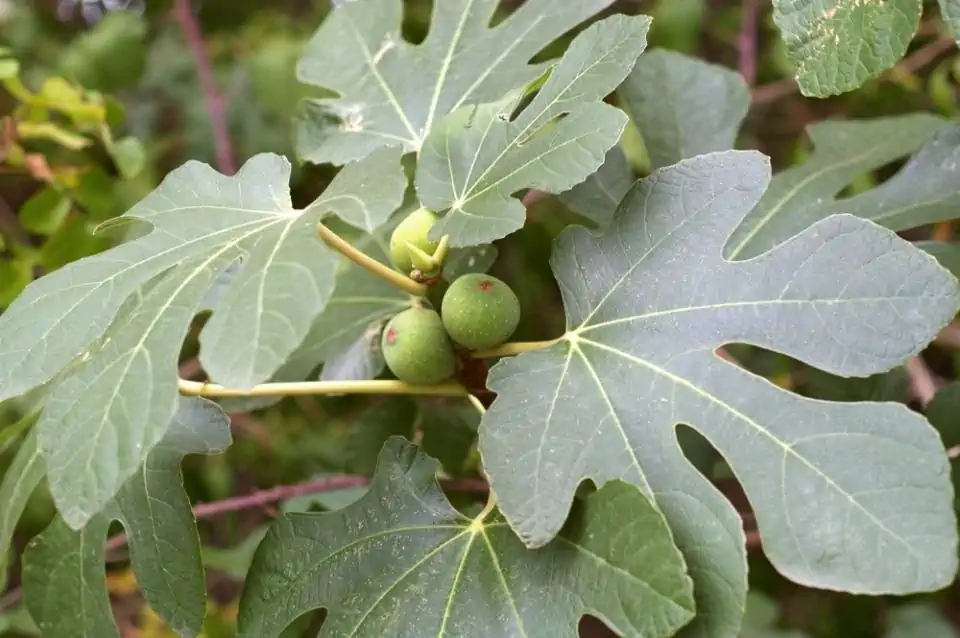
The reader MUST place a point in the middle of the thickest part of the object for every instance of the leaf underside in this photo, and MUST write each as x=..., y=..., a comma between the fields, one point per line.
x=647, y=303
x=104, y=327
x=439, y=573
x=63, y=575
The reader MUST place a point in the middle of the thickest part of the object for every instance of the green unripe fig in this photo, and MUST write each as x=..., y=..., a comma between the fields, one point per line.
x=480, y=311
x=416, y=347
x=410, y=236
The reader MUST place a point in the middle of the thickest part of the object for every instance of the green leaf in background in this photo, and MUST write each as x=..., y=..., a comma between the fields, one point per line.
x=760, y=618
x=477, y=157
x=470, y=259
x=948, y=254
x=45, y=211
x=393, y=93
x=837, y=45
x=129, y=155
x=362, y=360
x=63, y=576
x=441, y=573
x=647, y=303
x=925, y=190
x=19, y=481
x=136, y=300
x=110, y=56
x=683, y=106
x=597, y=198
x=886, y=386
x=448, y=428
x=918, y=620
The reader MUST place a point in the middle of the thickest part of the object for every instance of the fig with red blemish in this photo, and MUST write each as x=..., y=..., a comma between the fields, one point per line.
x=480, y=311
x=417, y=349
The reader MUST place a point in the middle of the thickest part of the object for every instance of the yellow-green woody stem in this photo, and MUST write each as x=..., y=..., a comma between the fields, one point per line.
x=389, y=275
x=304, y=388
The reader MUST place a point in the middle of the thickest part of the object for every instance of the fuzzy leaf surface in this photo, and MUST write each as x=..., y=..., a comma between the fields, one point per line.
x=925, y=190
x=476, y=158
x=439, y=573
x=647, y=303
x=117, y=319
x=63, y=575
x=392, y=93
x=837, y=45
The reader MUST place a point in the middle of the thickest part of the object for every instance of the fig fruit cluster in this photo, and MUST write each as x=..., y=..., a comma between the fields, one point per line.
x=477, y=312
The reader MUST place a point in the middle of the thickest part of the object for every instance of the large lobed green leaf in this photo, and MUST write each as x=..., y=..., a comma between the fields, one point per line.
x=392, y=93
x=108, y=328
x=63, y=574
x=402, y=561
x=647, y=303
x=474, y=160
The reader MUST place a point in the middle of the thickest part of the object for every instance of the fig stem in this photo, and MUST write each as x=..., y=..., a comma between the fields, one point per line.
x=303, y=388
x=515, y=347
x=363, y=260
x=491, y=503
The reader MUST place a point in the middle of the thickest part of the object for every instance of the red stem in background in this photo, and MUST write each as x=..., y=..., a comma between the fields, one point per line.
x=215, y=103
x=286, y=492
x=747, y=41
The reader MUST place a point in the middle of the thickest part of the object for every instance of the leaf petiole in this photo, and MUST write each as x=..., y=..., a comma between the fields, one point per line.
x=302, y=388
x=491, y=503
x=360, y=258
x=517, y=347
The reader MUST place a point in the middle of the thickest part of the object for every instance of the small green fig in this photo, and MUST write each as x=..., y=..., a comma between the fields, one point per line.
x=416, y=347
x=480, y=311
x=409, y=243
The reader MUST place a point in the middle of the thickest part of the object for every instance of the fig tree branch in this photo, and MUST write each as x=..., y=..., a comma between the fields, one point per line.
x=307, y=388
x=183, y=15
x=286, y=492
x=370, y=264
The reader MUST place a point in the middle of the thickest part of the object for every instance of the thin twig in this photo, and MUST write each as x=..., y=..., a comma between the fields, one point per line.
x=215, y=103
x=923, y=384
x=747, y=41
x=286, y=492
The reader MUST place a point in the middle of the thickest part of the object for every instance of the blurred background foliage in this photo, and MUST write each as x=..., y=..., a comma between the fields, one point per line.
x=100, y=99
